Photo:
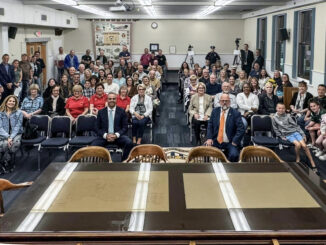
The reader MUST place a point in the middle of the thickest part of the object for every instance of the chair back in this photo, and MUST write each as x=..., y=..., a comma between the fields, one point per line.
x=61, y=125
x=288, y=93
x=147, y=153
x=206, y=154
x=258, y=154
x=42, y=122
x=261, y=125
x=86, y=125
x=93, y=154
x=6, y=185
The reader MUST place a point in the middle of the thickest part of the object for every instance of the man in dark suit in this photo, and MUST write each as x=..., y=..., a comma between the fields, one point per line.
x=247, y=57
x=225, y=129
x=7, y=77
x=112, y=125
x=259, y=59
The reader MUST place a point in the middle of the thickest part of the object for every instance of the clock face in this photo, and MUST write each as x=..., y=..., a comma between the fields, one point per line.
x=154, y=25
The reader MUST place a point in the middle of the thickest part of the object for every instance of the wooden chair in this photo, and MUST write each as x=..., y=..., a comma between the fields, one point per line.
x=91, y=154
x=6, y=185
x=288, y=93
x=206, y=154
x=258, y=154
x=147, y=153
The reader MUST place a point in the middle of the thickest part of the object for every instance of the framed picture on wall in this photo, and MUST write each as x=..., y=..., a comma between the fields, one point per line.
x=154, y=47
x=172, y=49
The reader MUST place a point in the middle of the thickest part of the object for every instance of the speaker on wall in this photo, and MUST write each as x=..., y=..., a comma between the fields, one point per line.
x=58, y=32
x=284, y=34
x=12, y=32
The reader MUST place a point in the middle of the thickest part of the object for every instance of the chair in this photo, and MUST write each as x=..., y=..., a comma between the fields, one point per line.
x=147, y=153
x=288, y=93
x=85, y=131
x=42, y=122
x=206, y=154
x=59, y=136
x=6, y=185
x=91, y=154
x=261, y=131
x=258, y=154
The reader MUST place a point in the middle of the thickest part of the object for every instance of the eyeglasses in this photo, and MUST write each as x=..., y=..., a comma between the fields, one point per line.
x=141, y=89
x=111, y=98
x=224, y=101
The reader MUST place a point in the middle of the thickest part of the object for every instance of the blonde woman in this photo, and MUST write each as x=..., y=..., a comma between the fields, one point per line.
x=11, y=129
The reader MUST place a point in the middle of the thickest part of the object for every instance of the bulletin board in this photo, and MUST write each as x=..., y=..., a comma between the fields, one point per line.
x=110, y=37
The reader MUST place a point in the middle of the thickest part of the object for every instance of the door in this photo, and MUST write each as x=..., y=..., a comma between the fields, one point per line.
x=31, y=48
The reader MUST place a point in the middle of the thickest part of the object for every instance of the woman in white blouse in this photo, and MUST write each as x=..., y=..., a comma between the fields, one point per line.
x=248, y=103
x=141, y=108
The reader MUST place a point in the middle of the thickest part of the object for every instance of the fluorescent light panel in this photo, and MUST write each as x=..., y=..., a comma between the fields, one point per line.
x=66, y=2
x=92, y=10
x=238, y=218
x=46, y=200
x=145, y=2
x=223, y=2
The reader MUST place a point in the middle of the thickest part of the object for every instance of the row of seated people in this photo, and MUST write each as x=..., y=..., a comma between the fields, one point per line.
x=225, y=127
x=247, y=103
x=139, y=108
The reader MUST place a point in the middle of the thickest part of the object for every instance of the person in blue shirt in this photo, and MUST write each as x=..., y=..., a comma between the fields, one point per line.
x=11, y=129
x=125, y=53
x=71, y=60
x=32, y=105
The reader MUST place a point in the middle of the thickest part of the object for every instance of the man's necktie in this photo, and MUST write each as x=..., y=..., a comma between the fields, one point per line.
x=221, y=129
x=111, y=129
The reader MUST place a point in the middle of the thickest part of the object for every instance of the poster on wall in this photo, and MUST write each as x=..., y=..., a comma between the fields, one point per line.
x=111, y=37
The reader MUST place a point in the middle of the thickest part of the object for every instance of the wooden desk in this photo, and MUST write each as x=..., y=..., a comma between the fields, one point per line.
x=174, y=201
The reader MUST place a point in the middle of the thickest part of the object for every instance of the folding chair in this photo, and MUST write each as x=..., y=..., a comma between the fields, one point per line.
x=59, y=136
x=262, y=131
x=85, y=131
x=43, y=124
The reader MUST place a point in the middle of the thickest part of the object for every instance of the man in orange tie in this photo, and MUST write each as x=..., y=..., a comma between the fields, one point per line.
x=225, y=129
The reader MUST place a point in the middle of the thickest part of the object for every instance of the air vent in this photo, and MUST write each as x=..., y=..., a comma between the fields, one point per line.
x=44, y=17
x=68, y=22
x=247, y=10
x=2, y=11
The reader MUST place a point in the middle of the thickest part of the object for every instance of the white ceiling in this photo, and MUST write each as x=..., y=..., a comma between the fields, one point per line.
x=165, y=8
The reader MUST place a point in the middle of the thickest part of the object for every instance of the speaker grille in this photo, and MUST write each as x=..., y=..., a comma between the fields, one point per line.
x=68, y=22
x=44, y=17
x=2, y=11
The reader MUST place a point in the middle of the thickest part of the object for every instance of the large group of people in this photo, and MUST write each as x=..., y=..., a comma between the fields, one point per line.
x=118, y=94
x=218, y=97
x=223, y=100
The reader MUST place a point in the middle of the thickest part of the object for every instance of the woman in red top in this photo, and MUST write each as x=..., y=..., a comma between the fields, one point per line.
x=123, y=101
x=99, y=100
x=77, y=104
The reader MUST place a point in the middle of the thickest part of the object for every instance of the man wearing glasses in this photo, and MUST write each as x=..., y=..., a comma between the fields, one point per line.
x=112, y=127
x=225, y=129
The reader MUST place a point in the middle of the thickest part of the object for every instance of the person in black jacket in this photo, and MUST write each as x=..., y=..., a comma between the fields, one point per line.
x=55, y=104
x=247, y=58
x=268, y=101
x=299, y=103
x=48, y=91
x=259, y=59
x=112, y=127
x=102, y=57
